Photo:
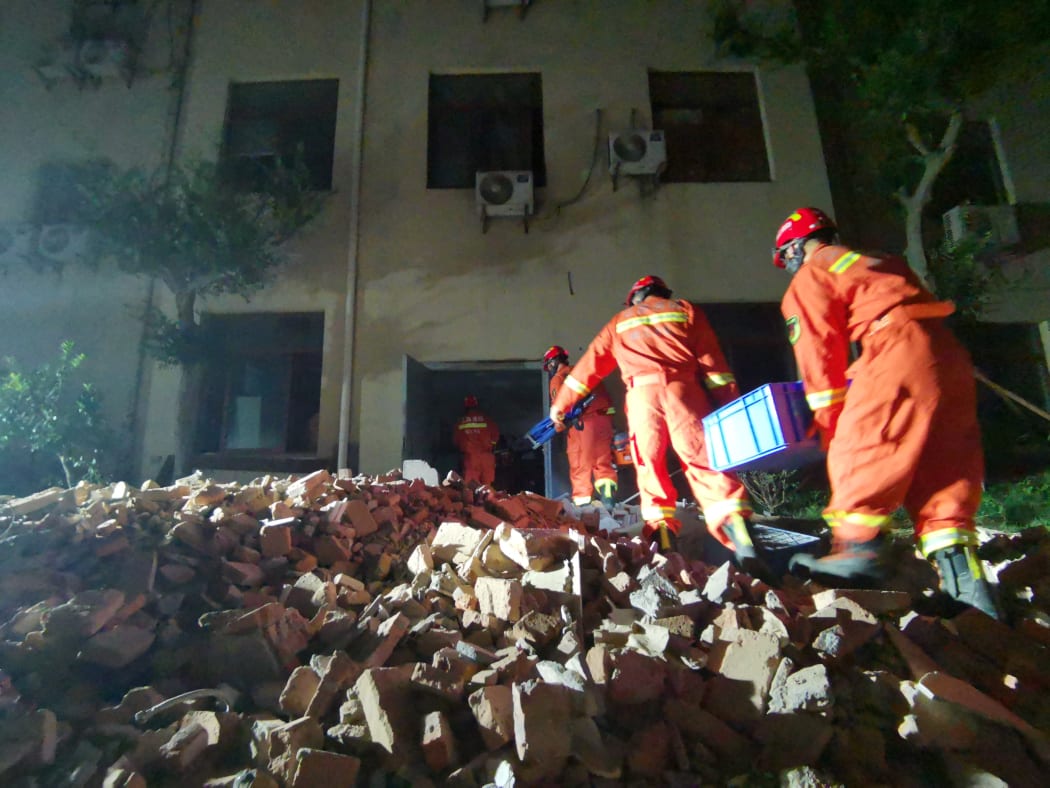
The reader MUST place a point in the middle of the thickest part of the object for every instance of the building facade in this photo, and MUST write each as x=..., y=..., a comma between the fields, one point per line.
x=411, y=289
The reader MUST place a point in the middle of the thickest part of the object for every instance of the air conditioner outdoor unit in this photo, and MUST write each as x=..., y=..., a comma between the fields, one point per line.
x=637, y=152
x=62, y=243
x=997, y=224
x=16, y=243
x=102, y=58
x=504, y=193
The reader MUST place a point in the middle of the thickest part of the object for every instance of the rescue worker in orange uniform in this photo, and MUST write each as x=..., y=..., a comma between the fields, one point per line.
x=476, y=436
x=900, y=423
x=675, y=374
x=589, y=443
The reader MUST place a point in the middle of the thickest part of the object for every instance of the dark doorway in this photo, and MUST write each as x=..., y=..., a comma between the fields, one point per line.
x=513, y=394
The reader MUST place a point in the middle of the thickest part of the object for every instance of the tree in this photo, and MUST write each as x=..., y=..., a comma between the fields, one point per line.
x=909, y=72
x=192, y=228
x=51, y=429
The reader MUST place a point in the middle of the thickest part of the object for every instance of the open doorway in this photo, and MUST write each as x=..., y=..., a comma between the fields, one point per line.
x=511, y=393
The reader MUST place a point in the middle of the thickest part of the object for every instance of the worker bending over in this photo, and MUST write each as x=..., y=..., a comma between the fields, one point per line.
x=589, y=443
x=475, y=437
x=905, y=432
x=675, y=374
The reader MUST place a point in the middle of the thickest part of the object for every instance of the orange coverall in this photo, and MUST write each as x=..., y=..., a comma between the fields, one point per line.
x=475, y=437
x=667, y=355
x=589, y=450
x=907, y=432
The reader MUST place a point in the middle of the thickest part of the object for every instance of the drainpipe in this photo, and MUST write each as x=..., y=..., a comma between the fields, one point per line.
x=350, y=306
x=175, y=111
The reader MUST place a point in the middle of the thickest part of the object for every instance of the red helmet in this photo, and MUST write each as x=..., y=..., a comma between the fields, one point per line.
x=647, y=281
x=470, y=401
x=553, y=352
x=801, y=224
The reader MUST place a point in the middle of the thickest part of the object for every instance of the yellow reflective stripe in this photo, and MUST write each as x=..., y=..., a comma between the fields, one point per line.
x=825, y=399
x=576, y=386
x=473, y=425
x=933, y=541
x=717, y=512
x=863, y=519
x=610, y=411
x=650, y=513
x=650, y=320
x=844, y=262
x=716, y=379
x=605, y=486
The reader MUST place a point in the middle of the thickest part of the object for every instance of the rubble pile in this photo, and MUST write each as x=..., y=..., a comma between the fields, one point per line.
x=324, y=631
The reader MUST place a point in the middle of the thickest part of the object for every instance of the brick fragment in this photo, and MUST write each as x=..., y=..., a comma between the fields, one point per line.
x=275, y=540
x=117, y=647
x=792, y=740
x=338, y=673
x=331, y=550
x=284, y=742
x=359, y=514
x=876, y=602
x=635, y=677
x=500, y=598
x=299, y=689
x=649, y=750
x=541, y=718
x=385, y=695
x=316, y=768
x=493, y=708
x=745, y=666
x=439, y=743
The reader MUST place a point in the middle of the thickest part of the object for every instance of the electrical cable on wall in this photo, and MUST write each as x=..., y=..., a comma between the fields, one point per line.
x=590, y=171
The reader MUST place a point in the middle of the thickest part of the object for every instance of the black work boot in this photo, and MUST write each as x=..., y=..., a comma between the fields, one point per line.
x=665, y=540
x=608, y=502
x=850, y=563
x=963, y=579
x=745, y=553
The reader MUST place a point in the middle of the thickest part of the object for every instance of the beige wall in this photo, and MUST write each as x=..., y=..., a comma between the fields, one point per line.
x=432, y=286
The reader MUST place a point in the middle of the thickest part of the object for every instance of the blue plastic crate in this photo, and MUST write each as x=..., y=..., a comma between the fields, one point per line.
x=763, y=430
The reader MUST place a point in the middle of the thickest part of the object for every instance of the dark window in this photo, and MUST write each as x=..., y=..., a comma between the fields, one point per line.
x=754, y=341
x=267, y=122
x=712, y=124
x=972, y=175
x=482, y=122
x=263, y=388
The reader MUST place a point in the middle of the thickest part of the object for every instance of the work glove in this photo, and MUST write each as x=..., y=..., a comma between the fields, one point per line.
x=557, y=415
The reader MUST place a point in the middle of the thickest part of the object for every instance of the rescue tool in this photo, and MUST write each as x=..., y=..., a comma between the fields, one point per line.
x=543, y=431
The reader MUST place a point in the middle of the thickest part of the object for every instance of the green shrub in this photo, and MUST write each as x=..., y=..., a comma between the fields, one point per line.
x=51, y=428
x=1014, y=505
x=783, y=494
